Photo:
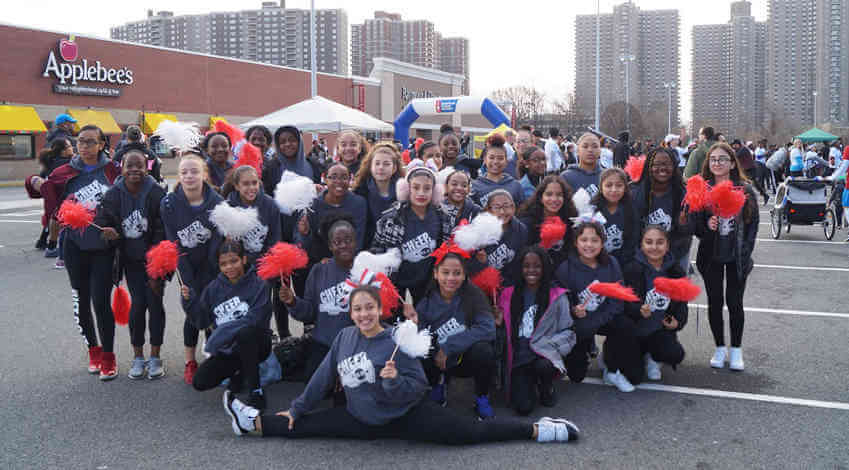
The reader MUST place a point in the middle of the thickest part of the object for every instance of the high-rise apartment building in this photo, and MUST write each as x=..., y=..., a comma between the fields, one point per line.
x=729, y=73
x=416, y=42
x=272, y=34
x=832, y=62
x=643, y=45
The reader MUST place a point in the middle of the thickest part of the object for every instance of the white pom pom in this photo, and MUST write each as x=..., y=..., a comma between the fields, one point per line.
x=234, y=222
x=410, y=340
x=386, y=263
x=485, y=230
x=582, y=201
x=294, y=193
x=442, y=176
x=182, y=135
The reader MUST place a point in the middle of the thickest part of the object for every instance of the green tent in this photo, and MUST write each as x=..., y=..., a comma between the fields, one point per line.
x=816, y=135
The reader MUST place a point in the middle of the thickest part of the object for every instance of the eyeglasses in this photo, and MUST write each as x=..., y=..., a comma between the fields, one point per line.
x=661, y=165
x=87, y=142
x=720, y=160
x=502, y=207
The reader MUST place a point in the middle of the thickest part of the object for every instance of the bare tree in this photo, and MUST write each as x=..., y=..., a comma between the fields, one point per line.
x=614, y=120
x=528, y=102
x=777, y=128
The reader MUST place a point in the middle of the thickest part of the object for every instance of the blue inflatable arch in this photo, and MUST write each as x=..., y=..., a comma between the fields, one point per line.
x=440, y=106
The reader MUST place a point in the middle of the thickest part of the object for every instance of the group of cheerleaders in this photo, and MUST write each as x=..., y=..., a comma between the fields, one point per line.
x=541, y=325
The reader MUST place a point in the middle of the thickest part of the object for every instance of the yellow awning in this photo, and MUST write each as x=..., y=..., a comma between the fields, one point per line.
x=214, y=119
x=101, y=119
x=20, y=119
x=152, y=121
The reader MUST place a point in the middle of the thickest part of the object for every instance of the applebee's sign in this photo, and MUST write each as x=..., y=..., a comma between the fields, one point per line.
x=70, y=73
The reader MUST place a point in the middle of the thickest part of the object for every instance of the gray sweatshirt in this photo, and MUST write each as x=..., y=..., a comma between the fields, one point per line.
x=357, y=361
x=325, y=301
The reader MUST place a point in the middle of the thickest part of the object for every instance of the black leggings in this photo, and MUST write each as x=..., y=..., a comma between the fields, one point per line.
x=734, y=290
x=144, y=300
x=621, y=351
x=478, y=361
x=425, y=422
x=90, y=273
x=526, y=380
x=253, y=345
x=663, y=345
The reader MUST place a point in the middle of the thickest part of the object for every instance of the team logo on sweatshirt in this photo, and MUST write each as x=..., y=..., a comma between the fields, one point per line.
x=229, y=310
x=501, y=256
x=135, y=225
x=418, y=248
x=657, y=301
x=255, y=238
x=334, y=300
x=448, y=329
x=590, y=299
x=355, y=370
x=193, y=235
x=726, y=226
x=91, y=194
x=613, y=239
x=592, y=190
x=660, y=217
x=526, y=329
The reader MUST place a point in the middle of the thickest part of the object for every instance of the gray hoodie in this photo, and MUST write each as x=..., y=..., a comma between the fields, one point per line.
x=357, y=361
x=579, y=178
x=482, y=186
x=325, y=301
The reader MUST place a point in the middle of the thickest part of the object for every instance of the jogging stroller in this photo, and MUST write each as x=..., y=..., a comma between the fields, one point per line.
x=802, y=201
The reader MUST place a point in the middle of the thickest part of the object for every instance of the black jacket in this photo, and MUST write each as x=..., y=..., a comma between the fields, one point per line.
x=622, y=151
x=745, y=242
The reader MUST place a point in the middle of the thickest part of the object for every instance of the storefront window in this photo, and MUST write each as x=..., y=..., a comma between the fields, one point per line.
x=17, y=146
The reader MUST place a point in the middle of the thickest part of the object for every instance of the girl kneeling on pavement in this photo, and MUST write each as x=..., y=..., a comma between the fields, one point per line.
x=460, y=317
x=594, y=314
x=236, y=306
x=657, y=318
x=725, y=253
x=538, y=323
x=129, y=215
x=385, y=398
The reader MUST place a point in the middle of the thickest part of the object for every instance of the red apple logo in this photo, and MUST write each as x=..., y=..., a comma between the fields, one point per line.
x=68, y=49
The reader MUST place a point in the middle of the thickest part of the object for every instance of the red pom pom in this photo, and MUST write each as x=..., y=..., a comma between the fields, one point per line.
x=551, y=231
x=162, y=259
x=697, y=193
x=679, y=290
x=121, y=305
x=634, y=167
x=405, y=156
x=418, y=144
x=281, y=261
x=250, y=155
x=234, y=133
x=75, y=215
x=727, y=200
x=614, y=290
x=488, y=280
x=389, y=296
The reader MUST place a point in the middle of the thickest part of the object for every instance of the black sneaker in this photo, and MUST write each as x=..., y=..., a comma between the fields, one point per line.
x=547, y=396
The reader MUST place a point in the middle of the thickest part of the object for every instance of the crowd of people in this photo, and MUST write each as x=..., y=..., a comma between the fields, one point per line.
x=542, y=323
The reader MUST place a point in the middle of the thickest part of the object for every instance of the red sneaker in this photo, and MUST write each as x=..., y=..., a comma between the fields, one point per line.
x=94, y=354
x=189, y=373
x=108, y=367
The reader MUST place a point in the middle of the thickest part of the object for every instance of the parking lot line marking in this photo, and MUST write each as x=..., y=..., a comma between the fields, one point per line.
x=706, y=392
x=813, y=242
x=20, y=221
x=801, y=313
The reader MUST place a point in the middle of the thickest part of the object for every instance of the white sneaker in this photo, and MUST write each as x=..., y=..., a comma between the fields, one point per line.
x=652, y=368
x=619, y=380
x=718, y=359
x=556, y=430
x=242, y=415
x=736, y=361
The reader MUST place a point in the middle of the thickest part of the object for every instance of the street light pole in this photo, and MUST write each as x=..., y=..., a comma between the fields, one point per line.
x=627, y=59
x=313, y=79
x=597, y=62
x=669, y=86
x=815, y=108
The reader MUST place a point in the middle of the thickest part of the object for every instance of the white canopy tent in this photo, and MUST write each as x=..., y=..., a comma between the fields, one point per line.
x=320, y=115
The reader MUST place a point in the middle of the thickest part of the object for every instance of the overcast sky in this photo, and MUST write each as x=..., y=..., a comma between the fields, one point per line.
x=529, y=42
